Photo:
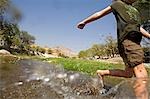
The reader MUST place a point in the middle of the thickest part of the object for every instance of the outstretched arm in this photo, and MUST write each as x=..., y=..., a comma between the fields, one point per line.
x=144, y=33
x=94, y=17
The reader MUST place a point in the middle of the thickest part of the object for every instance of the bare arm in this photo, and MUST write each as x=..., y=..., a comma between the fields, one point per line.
x=94, y=17
x=144, y=33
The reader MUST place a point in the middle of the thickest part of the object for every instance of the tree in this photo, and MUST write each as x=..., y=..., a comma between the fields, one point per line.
x=111, y=46
x=9, y=16
x=26, y=38
x=108, y=49
x=82, y=54
x=98, y=50
x=10, y=36
x=90, y=53
x=13, y=38
x=8, y=13
x=95, y=49
x=143, y=6
x=25, y=41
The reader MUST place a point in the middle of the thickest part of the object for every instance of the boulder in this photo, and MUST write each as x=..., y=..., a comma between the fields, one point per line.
x=4, y=52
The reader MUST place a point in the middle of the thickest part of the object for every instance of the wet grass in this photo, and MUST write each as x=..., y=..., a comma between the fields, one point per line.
x=85, y=66
x=89, y=67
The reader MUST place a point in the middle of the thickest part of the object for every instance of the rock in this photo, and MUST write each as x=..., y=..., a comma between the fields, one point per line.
x=49, y=55
x=64, y=51
x=4, y=52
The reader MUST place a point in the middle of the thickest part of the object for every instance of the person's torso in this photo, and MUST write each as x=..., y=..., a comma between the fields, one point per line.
x=128, y=19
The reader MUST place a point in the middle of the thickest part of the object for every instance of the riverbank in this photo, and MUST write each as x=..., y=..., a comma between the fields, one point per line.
x=88, y=67
x=34, y=79
x=85, y=66
x=47, y=70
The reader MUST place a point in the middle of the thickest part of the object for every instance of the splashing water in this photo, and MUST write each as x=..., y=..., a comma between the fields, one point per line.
x=30, y=79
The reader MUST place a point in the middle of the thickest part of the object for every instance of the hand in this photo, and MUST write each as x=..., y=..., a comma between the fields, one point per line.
x=81, y=25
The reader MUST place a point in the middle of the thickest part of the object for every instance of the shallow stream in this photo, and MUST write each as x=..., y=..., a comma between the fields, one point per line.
x=31, y=79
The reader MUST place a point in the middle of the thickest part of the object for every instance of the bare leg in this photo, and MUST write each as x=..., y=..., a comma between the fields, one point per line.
x=140, y=86
x=140, y=73
x=127, y=73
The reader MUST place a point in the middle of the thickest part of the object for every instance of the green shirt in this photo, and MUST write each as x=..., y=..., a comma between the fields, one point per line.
x=128, y=19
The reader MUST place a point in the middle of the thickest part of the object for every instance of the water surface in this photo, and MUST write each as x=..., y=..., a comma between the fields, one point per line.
x=31, y=79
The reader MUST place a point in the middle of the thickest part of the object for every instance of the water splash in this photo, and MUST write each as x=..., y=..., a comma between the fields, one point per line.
x=41, y=80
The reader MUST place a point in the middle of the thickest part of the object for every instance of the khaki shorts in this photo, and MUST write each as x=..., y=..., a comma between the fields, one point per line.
x=131, y=53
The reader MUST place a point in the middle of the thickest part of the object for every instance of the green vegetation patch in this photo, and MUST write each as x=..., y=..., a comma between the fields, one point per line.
x=88, y=67
x=85, y=66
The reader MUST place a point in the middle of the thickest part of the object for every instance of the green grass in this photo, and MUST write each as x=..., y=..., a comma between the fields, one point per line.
x=85, y=66
x=89, y=67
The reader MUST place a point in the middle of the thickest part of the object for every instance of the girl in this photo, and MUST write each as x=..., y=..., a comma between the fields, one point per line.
x=129, y=35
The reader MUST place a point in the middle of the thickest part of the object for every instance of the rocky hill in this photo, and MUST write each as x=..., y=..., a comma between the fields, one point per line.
x=60, y=50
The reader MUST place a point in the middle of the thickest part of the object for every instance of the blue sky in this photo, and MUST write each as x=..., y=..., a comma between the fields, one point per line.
x=53, y=22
